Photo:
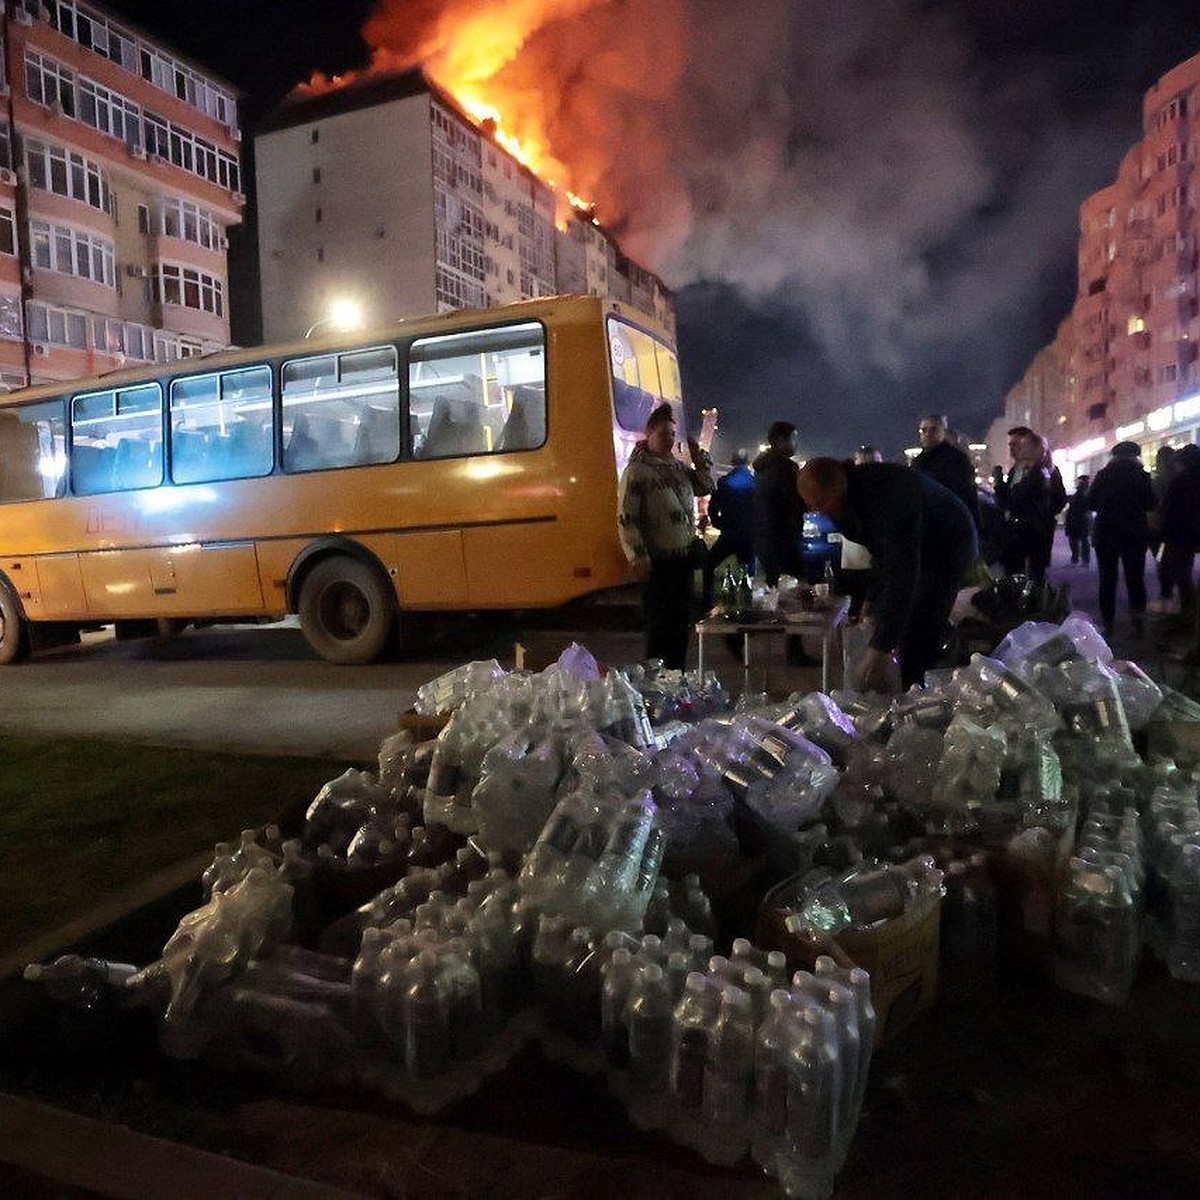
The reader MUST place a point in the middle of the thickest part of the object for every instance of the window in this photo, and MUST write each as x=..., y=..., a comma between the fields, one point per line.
x=316, y=136
x=49, y=83
x=66, y=173
x=341, y=410
x=57, y=326
x=189, y=288
x=645, y=373
x=72, y=252
x=8, y=231
x=10, y=318
x=318, y=215
x=189, y=223
x=116, y=440
x=143, y=211
x=109, y=112
x=186, y=150
x=123, y=339
x=479, y=392
x=1168, y=373
x=33, y=458
x=316, y=174
x=222, y=426
x=6, y=158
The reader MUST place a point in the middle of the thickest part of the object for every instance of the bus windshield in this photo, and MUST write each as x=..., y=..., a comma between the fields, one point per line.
x=645, y=373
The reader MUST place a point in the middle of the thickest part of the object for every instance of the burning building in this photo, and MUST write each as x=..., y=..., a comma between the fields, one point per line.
x=385, y=190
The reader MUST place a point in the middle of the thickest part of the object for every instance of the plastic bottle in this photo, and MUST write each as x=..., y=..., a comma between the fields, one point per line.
x=618, y=980
x=729, y=1063
x=81, y=982
x=772, y=1045
x=690, y=1029
x=649, y=1015
x=425, y=1020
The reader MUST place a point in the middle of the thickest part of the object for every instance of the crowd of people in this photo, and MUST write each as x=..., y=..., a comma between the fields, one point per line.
x=912, y=535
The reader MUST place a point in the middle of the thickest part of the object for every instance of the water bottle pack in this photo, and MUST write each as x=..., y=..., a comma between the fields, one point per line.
x=1172, y=830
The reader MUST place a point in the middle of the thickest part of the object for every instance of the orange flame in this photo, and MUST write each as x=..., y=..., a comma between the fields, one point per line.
x=461, y=48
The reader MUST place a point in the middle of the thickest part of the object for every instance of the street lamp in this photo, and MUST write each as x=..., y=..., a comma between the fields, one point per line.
x=344, y=315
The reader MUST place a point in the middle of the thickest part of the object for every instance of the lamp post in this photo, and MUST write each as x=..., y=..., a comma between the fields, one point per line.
x=344, y=315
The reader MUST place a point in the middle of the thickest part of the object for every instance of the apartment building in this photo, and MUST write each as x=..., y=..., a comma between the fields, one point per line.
x=383, y=190
x=120, y=173
x=1125, y=365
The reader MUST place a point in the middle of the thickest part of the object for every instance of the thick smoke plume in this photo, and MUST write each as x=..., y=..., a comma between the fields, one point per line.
x=839, y=160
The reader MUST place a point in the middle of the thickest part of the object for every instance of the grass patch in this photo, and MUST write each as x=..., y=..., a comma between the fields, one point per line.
x=83, y=820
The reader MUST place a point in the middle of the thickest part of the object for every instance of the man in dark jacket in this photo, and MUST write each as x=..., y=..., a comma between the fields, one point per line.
x=731, y=510
x=1078, y=524
x=778, y=509
x=1181, y=525
x=921, y=539
x=1031, y=496
x=944, y=462
x=1121, y=496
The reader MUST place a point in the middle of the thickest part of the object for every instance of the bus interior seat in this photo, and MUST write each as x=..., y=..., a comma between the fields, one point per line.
x=135, y=464
x=526, y=424
x=92, y=468
x=249, y=451
x=301, y=452
x=189, y=454
x=378, y=436
x=440, y=430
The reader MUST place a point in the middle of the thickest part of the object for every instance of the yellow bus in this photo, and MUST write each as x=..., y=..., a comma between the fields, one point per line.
x=458, y=462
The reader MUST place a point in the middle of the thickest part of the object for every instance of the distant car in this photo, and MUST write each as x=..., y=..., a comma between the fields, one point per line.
x=820, y=543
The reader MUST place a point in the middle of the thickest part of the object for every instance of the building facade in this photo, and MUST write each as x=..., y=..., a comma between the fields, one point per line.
x=120, y=172
x=1126, y=363
x=386, y=192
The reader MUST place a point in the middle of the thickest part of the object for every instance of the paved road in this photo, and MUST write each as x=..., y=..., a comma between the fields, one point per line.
x=259, y=689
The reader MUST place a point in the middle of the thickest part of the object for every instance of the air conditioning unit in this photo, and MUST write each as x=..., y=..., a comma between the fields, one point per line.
x=236, y=134
x=223, y=243
x=40, y=349
x=55, y=108
x=138, y=152
x=44, y=14
x=24, y=16
x=238, y=198
x=8, y=177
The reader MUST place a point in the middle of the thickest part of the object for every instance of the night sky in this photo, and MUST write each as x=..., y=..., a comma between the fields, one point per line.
x=883, y=224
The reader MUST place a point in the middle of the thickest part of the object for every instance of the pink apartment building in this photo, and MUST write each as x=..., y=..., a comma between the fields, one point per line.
x=1125, y=364
x=120, y=173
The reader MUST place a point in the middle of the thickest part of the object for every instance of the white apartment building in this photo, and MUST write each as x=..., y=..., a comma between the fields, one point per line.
x=120, y=173
x=384, y=191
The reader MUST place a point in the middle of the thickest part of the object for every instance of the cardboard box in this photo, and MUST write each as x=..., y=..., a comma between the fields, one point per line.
x=901, y=956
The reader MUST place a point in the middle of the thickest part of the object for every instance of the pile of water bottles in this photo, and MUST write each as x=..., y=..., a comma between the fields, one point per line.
x=530, y=872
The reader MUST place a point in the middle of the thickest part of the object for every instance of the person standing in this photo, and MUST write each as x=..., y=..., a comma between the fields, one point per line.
x=921, y=540
x=1166, y=467
x=731, y=510
x=1181, y=526
x=1078, y=523
x=946, y=463
x=1122, y=496
x=1031, y=497
x=656, y=508
x=778, y=509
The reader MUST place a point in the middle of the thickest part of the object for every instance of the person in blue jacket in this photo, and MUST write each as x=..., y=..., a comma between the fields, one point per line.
x=731, y=510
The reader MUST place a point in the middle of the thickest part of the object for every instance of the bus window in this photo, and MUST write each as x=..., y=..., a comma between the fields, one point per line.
x=478, y=392
x=221, y=426
x=33, y=457
x=116, y=440
x=645, y=373
x=341, y=410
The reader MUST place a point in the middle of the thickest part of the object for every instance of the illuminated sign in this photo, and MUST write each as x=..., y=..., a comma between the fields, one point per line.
x=1132, y=430
x=1159, y=419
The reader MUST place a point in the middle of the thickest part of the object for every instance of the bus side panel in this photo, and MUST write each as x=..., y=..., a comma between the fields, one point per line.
x=117, y=583
x=432, y=571
x=196, y=580
x=510, y=564
x=60, y=584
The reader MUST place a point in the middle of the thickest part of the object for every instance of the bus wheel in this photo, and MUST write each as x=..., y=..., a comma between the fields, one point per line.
x=14, y=640
x=346, y=611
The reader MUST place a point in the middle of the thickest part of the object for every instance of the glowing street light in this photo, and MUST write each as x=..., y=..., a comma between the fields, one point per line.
x=345, y=314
